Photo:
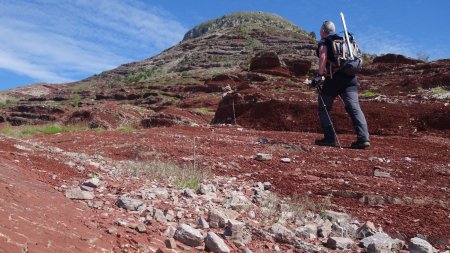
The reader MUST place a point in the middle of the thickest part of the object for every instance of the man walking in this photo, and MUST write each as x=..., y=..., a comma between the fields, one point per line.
x=338, y=84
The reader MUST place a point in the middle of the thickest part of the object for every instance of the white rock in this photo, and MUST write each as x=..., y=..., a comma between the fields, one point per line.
x=340, y=243
x=77, y=193
x=188, y=235
x=128, y=203
x=263, y=157
x=418, y=245
x=215, y=243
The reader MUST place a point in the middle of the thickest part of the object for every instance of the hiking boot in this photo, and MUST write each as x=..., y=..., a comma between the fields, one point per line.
x=325, y=142
x=360, y=144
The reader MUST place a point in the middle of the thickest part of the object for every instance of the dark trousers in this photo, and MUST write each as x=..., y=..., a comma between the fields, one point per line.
x=349, y=95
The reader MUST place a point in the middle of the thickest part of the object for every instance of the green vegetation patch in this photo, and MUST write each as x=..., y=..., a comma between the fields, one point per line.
x=26, y=131
x=370, y=93
x=204, y=111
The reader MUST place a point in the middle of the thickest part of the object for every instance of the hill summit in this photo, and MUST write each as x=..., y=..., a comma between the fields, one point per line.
x=241, y=18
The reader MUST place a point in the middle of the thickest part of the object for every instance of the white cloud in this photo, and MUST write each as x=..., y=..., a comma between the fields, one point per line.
x=57, y=41
x=377, y=41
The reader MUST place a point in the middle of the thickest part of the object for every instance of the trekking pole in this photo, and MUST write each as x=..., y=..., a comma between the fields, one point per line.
x=329, y=118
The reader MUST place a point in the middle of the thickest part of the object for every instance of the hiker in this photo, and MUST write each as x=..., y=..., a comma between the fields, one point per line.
x=337, y=84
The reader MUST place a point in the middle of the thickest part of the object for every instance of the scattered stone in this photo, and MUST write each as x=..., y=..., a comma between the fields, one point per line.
x=325, y=229
x=237, y=202
x=337, y=216
x=92, y=182
x=217, y=219
x=408, y=159
x=159, y=216
x=203, y=223
x=170, y=231
x=263, y=157
x=206, y=189
x=112, y=230
x=189, y=193
x=247, y=250
x=234, y=230
x=215, y=243
x=188, y=235
x=382, y=241
x=379, y=172
x=309, y=231
x=86, y=188
x=418, y=245
x=77, y=193
x=153, y=193
x=366, y=230
x=372, y=200
x=171, y=243
x=340, y=243
x=267, y=186
x=141, y=228
x=282, y=234
x=285, y=160
x=128, y=203
x=252, y=215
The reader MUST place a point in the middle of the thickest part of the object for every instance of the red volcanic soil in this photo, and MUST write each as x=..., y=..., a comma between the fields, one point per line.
x=415, y=199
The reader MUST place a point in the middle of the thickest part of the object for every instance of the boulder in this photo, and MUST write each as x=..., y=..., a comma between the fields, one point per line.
x=215, y=244
x=340, y=243
x=366, y=230
x=188, y=235
x=418, y=245
x=128, y=203
x=381, y=241
x=77, y=193
x=217, y=219
x=282, y=234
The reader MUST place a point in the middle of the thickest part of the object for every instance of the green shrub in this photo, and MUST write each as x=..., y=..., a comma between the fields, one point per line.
x=76, y=100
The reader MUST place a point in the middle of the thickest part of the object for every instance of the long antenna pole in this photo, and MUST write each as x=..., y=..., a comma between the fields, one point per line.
x=350, y=49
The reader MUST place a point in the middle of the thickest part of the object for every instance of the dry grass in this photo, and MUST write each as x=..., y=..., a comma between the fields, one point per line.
x=183, y=176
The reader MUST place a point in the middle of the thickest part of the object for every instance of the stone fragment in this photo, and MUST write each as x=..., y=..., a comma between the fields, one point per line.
x=234, y=230
x=112, y=230
x=153, y=193
x=237, y=202
x=159, y=216
x=205, y=189
x=203, y=223
x=92, y=182
x=214, y=243
x=340, y=243
x=336, y=216
x=379, y=172
x=285, y=160
x=282, y=234
x=418, y=245
x=77, y=193
x=382, y=241
x=128, y=203
x=263, y=157
x=367, y=229
x=188, y=235
x=325, y=229
x=189, y=193
x=309, y=231
x=217, y=219
x=141, y=228
x=267, y=186
x=171, y=243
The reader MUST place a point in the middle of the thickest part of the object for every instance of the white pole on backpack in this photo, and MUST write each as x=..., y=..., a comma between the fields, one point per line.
x=346, y=36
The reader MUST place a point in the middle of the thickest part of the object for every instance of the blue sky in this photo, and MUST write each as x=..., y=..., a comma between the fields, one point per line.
x=58, y=41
